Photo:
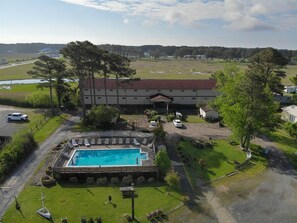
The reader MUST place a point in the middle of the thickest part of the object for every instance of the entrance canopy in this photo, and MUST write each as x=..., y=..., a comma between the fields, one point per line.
x=160, y=98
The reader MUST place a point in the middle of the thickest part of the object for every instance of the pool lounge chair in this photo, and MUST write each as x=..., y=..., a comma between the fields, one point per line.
x=144, y=141
x=114, y=141
x=99, y=141
x=120, y=141
x=127, y=140
x=80, y=142
x=74, y=143
x=135, y=142
x=106, y=141
x=86, y=142
x=93, y=142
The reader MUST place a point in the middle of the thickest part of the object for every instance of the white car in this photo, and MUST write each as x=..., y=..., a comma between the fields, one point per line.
x=17, y=117
x=153, y=124
x=177, y=123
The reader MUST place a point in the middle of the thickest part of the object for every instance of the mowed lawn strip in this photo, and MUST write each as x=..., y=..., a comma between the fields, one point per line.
x=77, y=201
x=219, y=159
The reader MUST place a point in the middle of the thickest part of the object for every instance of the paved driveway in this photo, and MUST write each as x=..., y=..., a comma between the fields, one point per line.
x=9, y=128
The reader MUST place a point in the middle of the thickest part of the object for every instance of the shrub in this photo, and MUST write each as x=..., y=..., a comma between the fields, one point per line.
x=49, y=171
x=149, y=113
x=38, y=100
x=101, y=181
x=128, y=218
x=98, y=220
x=114, y=181
x=91, y=220
x=140, y=180
x=155, y=118
x=159, y=133
x=170, y=117
x=83, y=220
x=162, y=161
x=102, y=116
x=151, y=180
x=16, y=151
x=90, y=180
x=73, y=180
x=172, y=179
x=47, y=181
x=127, y=180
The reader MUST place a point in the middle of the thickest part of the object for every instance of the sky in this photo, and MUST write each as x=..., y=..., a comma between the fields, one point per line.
x=228, y=23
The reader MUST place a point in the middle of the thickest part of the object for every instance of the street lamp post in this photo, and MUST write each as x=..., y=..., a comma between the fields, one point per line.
x=132, y=198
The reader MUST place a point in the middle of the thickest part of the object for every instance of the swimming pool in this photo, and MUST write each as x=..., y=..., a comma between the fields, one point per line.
x=107, y=157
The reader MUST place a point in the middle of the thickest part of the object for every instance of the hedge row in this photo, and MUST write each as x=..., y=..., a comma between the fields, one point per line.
x=15, y=152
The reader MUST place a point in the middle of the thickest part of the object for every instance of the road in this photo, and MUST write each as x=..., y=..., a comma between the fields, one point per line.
x=16, y=64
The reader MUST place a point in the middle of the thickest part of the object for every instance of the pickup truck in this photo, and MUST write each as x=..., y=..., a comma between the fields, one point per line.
x=17, y=117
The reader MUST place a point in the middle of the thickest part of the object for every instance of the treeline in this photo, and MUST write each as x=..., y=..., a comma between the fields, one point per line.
x=155, y=51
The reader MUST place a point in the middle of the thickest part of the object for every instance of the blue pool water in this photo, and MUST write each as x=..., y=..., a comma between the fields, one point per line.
x=110, y=157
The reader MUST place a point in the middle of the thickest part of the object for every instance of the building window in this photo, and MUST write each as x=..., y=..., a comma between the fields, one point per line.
x=147, y=90
x=98, y=97
x=170, y=90
x=182, y=91
x=135, y=98
x=147, y=98
x=123, y=98
x=110, y=89
x=193, y=98
x=86, y=89
x=86, y=97
x=135, y=90
x=194, y=90
x=98, y=89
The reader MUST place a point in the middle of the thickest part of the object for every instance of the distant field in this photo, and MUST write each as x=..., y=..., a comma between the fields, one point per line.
x=149, y=69
x=13, y=57
x=16, y=73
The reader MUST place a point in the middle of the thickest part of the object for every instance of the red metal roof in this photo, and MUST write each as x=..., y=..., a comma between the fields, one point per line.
x=154, y=84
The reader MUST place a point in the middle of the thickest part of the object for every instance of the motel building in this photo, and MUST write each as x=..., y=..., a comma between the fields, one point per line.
x=149, y=92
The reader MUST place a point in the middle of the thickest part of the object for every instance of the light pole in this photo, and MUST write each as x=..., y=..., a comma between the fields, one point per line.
x=132, y=198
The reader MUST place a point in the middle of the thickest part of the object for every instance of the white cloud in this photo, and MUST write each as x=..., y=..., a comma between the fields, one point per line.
x=236, y=14
x=126, y=21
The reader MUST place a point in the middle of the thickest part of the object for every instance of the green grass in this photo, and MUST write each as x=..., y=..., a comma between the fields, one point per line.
x=49, y=127
x=20, y=91
x=149, y=69
x=194, y=119
x=219, y=160
x=286, y=143
x=76, y=201
x=17, y=72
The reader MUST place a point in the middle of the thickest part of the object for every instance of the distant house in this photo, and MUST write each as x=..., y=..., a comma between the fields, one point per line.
x=208, y=113
x=290, y=89
x=290, y=113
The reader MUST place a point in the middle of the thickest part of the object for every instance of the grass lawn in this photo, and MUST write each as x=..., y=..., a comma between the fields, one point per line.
x=219, y=160
x=16, y=73
x=49, y=127
x=194, y=119
x=286, y=143
x=77, y=201
x=150, y=69
x=20, y=91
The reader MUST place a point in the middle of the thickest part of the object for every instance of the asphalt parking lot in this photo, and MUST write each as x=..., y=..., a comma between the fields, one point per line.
x=9, y=128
